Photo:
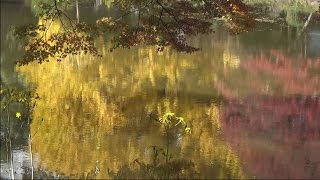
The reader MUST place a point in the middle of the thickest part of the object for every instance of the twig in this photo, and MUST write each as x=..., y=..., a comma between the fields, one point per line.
x=72, y=23
x=70, y=20
x=306, y=24
x=165, y=26
x=139, y=19
x=160, y=17
x=172, y=15
x=63, y=24
x=38, y=128
x=54, y=16
x=130, y=12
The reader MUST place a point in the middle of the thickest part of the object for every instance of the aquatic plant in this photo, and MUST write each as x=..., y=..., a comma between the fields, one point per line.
x=162, y=165
x=11, y=96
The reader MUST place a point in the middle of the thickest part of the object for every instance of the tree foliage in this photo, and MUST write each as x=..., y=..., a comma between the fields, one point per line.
x=158, y=23
x=11, y=95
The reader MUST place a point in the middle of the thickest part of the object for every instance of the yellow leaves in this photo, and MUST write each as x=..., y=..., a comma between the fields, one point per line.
x=104, y=20
x=180, y=120
x=187, y=130
x=169, y=115
x=169, y=118
x=18, y=115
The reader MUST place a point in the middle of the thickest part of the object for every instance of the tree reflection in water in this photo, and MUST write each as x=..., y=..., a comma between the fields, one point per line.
x=288, y=125
x=289, y=128
x=96, y=114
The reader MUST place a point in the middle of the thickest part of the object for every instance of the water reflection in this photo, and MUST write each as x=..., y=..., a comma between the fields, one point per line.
x=95, y=113
x=253, y=110
x=278, y=137
x=20, y=161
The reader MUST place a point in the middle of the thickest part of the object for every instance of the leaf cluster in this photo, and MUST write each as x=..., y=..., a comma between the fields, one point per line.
x=159, y=23
x=170, y=120
x=168, y=23
x=58, y=45
x=11, y=95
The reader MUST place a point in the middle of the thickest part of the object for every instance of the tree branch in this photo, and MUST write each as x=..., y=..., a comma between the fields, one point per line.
x=172, y=15
x=130, y=12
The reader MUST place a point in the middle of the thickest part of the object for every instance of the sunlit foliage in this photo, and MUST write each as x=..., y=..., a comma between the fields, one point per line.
x=170, y=120
x=12, y=95
x=56, y=43
x=160, y=23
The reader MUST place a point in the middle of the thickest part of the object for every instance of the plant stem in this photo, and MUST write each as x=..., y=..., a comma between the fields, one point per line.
x=10, y=147
x=167, y=153
x=7, y=143
x=30, y=145
x=30, y=152
x=11, y=161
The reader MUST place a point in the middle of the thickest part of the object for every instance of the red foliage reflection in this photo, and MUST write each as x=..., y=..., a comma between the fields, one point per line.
x=292, y=75
x=276, y=136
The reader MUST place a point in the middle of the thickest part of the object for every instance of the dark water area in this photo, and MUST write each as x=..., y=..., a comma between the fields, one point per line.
x=252, y=102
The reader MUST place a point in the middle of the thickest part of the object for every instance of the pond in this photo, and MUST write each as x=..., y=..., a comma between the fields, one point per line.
x=251, y=101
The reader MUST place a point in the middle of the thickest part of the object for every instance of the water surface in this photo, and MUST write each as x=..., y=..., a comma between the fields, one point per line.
x=252, y=102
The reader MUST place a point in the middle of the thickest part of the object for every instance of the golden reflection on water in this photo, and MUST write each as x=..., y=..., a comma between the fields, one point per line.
x=97, y=112
x=94, y=112
x=83, y=103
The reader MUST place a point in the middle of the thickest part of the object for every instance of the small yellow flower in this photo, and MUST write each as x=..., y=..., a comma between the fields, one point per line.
x=18, y=115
